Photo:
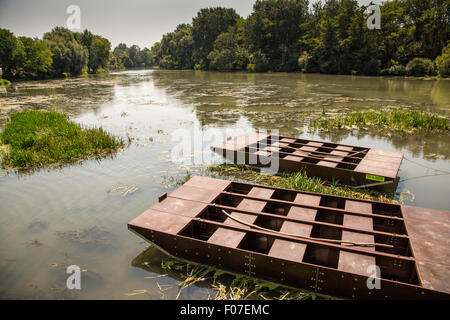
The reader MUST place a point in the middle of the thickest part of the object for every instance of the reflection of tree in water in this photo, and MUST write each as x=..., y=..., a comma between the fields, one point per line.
x=73, y=96
x=440, y=96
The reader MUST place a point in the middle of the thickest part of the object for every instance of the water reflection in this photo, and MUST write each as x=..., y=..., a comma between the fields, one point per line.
x=42, y=212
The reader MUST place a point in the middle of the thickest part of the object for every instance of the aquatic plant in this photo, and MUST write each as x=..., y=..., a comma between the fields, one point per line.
x=236, y=287
x=297, y=181
x=48, y=138
x=186, y=178
x=397, y=120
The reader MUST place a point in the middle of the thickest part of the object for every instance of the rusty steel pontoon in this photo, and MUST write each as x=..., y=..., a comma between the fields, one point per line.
x=355, y=166
x=316, y=242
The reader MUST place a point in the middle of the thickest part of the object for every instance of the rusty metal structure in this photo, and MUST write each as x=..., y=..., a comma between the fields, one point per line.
x=326, y=244
x=359, y=167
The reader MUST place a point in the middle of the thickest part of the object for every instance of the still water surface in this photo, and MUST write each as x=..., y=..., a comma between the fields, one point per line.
x=77, y=214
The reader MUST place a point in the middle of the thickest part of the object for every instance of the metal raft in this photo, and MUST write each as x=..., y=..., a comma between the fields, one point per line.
x=305, y=240
x=355, y=166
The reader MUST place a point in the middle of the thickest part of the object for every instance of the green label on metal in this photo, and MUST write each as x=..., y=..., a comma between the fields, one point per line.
x=374, y=177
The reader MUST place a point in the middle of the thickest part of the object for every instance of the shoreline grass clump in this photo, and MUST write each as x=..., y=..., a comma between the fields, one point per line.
x=296, y=181
x=396, y=120
x=47, y=138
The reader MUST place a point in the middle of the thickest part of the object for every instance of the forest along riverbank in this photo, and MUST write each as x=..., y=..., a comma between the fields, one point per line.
x=76, y=214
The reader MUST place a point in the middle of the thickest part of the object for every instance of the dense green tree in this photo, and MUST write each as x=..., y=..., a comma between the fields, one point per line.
x=121, y=55
x=175, y=51
x=37, y=60
x=98, y=49
x=99, y=53
x=443, y=62
x=69, y=56
x=146, y=58
x=275, y=28
x=133, y=56
x=430, y=19
x=12, y=53
x=420, y=67
x=330, y=36
x=206, y=27
x=228, y=55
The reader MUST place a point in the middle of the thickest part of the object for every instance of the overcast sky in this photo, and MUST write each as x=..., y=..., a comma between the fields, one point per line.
x=140, y=22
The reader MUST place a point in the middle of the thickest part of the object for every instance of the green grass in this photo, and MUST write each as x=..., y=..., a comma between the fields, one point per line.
x=396, y=120
x=47, y=138
x=297, y=181
x=231, y=287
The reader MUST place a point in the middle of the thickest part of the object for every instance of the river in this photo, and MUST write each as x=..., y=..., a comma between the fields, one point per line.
x=77, y=214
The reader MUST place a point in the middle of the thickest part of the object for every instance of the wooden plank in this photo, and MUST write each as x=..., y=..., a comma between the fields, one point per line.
x=358, y=206
x=232, y=238
x=160, y=221
x=227, y=237
x=355, y=262
x=328, y=164
x=265, y=193
x=292, y=251
x=307, y=199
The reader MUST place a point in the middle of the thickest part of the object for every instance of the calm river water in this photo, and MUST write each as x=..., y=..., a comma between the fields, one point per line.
x=77, y=214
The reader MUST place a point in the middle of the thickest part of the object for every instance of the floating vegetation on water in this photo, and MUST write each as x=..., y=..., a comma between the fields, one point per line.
x=37, y=225
x=221, y=284
x=124, y=189
x=186, y=178
x=435, y=156
x=397, y=120
x=33, y=243
x=92, y=235
x=137, y=292
x=406, y=196
x=296, y=181
x=48, y=138
x=236, y=287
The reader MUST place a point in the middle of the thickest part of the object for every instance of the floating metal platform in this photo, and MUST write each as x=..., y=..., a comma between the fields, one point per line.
x=306, y=240
x=350, y=165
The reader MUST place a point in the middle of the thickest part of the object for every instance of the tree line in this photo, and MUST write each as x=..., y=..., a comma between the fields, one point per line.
x=332, y=38
x=279, y=35
x=61, y=53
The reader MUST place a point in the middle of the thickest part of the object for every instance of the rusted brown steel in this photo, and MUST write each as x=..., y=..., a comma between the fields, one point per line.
x=350, y=165
x=189, y=224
